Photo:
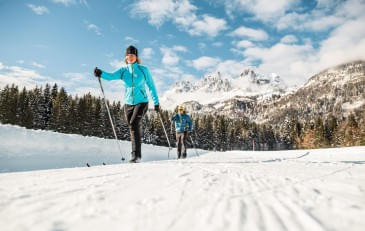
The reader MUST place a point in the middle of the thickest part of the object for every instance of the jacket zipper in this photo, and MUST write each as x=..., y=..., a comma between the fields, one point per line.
x=132, y=85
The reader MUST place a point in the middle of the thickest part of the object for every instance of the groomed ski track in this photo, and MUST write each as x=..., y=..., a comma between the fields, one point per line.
x=289, y=190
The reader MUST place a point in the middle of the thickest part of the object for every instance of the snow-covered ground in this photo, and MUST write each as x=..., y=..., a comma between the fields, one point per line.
x=24, y=149
x=237, y=190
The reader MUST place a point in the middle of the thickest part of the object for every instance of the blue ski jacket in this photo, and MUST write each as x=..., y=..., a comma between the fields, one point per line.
x=135, y=77
x=182, y=123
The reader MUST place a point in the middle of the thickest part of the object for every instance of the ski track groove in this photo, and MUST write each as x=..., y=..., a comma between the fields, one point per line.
x=302, y=219
x=297, y=211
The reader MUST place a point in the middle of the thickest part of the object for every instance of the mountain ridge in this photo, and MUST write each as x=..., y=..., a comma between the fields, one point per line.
x=337, y=91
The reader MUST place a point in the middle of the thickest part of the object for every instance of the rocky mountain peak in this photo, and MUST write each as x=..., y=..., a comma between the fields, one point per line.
x=249, y=73
x=183, y=86
x=339, y=75
x=214, y=83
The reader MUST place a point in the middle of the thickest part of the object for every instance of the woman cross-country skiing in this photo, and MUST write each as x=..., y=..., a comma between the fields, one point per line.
x=135, y=77
x=183, y=125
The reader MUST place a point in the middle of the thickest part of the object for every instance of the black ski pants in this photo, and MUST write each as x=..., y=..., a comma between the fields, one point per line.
x=181, y=144
x=133, y=115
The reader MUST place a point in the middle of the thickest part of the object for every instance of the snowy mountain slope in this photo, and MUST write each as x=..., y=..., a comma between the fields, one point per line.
x=213, y=89
x=288, y=190
x=24, y=149
x=338, y=90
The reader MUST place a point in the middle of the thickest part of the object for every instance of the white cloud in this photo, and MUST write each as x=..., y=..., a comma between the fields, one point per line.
x=20, y=61
x=217, y=44
x=169, y=57
x=188, y=77
x=182, y=13
x=131, y=40
x=345, y=43
x=147, y=53
x=351, y=9
x=208, y=25
x=37, y=65
x=170, y=36
x=94, y=28
x=236, y=51
x=243, y=44
x=21, y=77
x=326, y=16
x=289, y=39
x=204, y=62
x=297, y=62
x=76, y=76
x=83, y=83
x=117, y=64
x=231, y=68
x=179, y=48
x=40, y=10
x=157, y=11
x=165, y=76
x=292, y=62
x=327, y=3
x=253, y=34
x=315, y=21
x=202, y=46
x=265, y=10
x=171, y=72
x=94, y=91
x=70, y=2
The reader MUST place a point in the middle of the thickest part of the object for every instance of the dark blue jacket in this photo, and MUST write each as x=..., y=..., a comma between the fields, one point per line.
x=182, y=123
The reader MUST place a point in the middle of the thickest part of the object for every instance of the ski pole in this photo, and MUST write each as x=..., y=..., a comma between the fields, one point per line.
x=196, y=152
x=168, y=141
x=110, y=118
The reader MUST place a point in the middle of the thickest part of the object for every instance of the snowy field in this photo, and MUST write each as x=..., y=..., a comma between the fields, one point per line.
x=284, y=190
x=24, y=150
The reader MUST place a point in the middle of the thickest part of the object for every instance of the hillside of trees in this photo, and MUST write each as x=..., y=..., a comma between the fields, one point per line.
x=52, y=108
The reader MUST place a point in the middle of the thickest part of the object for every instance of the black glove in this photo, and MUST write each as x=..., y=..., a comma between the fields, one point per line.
x=157, y=108
x=97, y=72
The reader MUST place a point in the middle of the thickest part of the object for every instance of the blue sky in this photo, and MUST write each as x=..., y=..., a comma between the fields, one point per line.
x=63, y=40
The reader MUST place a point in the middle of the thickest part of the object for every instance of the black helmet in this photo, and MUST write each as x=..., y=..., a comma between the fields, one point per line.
x=131, y=50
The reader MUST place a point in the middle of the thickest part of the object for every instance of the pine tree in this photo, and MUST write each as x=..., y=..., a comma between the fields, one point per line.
x=25, y=115
x=319, y=134
x=72, y=125
x=10, y=105
x=352, y=131
x=330, y=128
x=35, y=100
x=46, y=106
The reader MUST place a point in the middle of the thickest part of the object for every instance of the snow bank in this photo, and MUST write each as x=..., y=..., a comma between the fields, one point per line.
x=351, y=106
x=24, y=149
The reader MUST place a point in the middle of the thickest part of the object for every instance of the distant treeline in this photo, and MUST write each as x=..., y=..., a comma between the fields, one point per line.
x=51, y=108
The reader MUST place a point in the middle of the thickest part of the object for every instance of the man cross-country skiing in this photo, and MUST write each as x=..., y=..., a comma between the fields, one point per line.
x=183, y=126
x=135, y=78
